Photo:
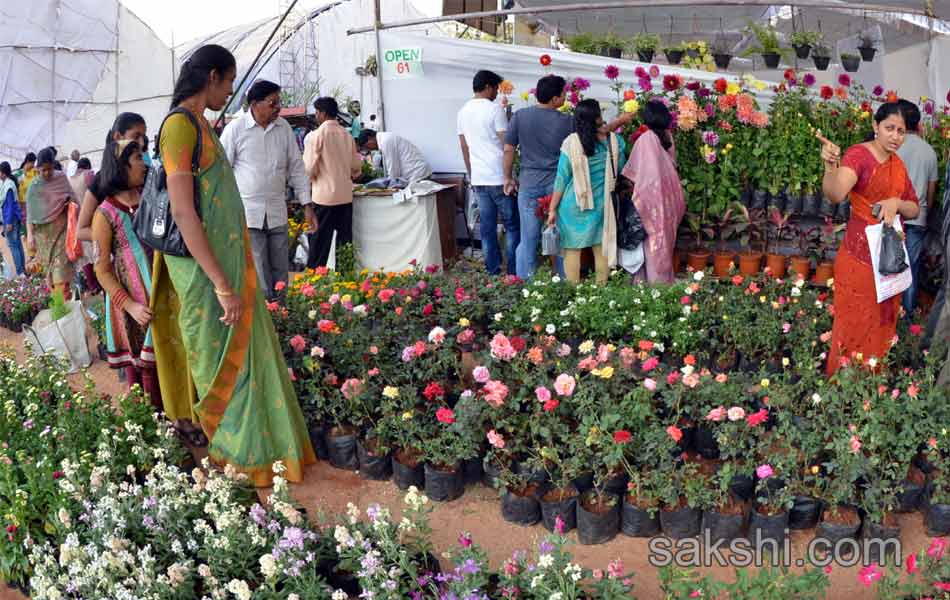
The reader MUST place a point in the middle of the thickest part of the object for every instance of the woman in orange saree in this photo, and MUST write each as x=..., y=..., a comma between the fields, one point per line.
x=872, y=174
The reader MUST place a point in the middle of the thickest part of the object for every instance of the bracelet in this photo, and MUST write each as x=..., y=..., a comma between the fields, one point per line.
x=218, y=292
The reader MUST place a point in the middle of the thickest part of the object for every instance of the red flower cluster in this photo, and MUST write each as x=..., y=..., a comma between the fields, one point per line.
x=433, y=391
x=757, y=418
x=671, y=82
x=445, y=415
x=721, y=85
x=826, y=92
x=622, y=436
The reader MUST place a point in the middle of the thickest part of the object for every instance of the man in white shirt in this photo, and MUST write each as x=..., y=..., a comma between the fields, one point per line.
x=400, y=156
x=263, y=152
x=481, y=130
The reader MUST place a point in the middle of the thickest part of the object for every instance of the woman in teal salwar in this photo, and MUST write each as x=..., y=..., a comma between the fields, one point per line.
x=246, y=402
x=587, y=173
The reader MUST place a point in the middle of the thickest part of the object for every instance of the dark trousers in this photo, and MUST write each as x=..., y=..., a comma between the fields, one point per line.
x=338, y=218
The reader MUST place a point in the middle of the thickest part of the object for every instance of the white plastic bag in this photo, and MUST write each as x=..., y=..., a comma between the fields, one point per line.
x=65, y=338
x=551, y=241
x=886, y=286
x=331, y=260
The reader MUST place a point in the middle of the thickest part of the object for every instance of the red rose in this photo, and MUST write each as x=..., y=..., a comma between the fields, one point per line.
x=545, y=60
x=427, y=310
x=690, y=360
x=518, y=343
x=675, y=433
x=721, y=85
x=915, y=329
x=551, y=405
x=445, y=415
x=789, y=74
x=827, y=92
x=629, y=95
x=622, y=437
x=433, y=391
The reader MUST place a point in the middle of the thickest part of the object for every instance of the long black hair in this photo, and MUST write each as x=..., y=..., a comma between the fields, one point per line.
x=585, y=124
x=884, y=111
x=114, y=173
x=5, y=169
x=657, y=117
x=123, y=123
x=196, y=71
x=30, y=157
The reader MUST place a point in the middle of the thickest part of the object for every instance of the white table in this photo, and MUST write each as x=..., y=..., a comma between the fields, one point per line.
x=389, y=236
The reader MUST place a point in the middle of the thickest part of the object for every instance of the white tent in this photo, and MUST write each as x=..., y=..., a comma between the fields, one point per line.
x=69, y=67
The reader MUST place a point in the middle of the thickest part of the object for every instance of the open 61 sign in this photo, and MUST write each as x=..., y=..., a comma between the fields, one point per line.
x=402, y=63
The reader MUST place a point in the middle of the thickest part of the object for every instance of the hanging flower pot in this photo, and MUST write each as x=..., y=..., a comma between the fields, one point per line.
x=637, y=520
x=804, y=513
x=850, y=62
x=680, y=523
x=692, y=53
x=766, y=526
x=646, y=55
x=821, y=62
x=341, y=446
x=867, y=53
x=598, y=518
x=722, y=60
x=722, y=263
x=823, y=272
x=674, y=57
x=750, y=263
x=407, y=470
x=559, y=502
x=520, y=506
x=776, y=264
x=613, y=52
x=802, y=51
x=801, y=266
x=444, y=483
x=698, y=259
x=771, y=59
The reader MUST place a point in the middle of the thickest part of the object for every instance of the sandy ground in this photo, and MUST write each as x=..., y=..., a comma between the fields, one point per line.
x=326, y=491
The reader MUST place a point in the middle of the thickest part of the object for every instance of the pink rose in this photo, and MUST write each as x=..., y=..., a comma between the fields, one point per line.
x=496, y=439
x=855, y=444
x=736, y=413
x=650, y=364
x=563, y=350
x=495, y=393
x=481, y=374
x=764, y=471
x=564, y=384
x=542, y=393
x=649, y=384
x=716, y=414
x=298, y=343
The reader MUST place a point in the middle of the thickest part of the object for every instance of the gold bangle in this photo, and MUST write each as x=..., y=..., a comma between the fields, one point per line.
x=218, y=292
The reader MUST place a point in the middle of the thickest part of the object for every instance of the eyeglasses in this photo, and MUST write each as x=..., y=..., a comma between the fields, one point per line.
x=271, y=103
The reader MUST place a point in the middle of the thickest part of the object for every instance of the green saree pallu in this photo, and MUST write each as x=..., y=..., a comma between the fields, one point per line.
x=246, y=402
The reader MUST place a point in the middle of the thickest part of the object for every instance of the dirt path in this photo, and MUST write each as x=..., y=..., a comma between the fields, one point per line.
x=326, y=491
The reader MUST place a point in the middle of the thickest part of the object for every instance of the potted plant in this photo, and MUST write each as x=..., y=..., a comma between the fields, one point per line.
x=674, y=54
x=558, y=499
x=726, y=227
x=769, y=518
x=611, y=44
x=821, y=56
x=640, y=516
x=828, y=242
x=726, y=518
x=446, y=443
x=808, y=238
x=768, y=44
x=937, y=515
x=683, y=496
x=843, y=467
x=722, y=52
x=583, y=42
x=645, y=45
x=752, y=231
x=778, y=231
x=867, y=46
x=698, y=257
x=850, y=62
x=803, y=42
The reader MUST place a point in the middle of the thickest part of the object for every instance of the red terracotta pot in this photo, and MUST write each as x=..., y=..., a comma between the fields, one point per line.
x=722, y=263
x=801, y=266
x=750, y=263
x=697, y=260
x=776, y=264
x=823, y=272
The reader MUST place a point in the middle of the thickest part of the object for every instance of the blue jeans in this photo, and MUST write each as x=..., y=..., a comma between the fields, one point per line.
x=915, y=236
x=16, y=249
x=493, y=202
x=531, y=226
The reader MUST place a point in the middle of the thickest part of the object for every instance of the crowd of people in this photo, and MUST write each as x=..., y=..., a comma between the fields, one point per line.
x=204, y=314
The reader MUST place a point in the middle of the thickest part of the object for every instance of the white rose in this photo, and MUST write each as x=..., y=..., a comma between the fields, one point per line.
x=698, y=275
x=550, y=329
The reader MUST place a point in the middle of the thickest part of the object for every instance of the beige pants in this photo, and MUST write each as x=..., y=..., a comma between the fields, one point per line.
x=572, y=264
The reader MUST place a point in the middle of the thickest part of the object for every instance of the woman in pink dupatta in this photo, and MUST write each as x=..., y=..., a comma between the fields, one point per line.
x=657, y=192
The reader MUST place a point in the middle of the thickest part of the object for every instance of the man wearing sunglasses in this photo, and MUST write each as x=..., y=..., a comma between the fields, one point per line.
x=263, y=151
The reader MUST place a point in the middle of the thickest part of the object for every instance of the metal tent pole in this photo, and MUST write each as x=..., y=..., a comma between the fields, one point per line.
x=377, y=24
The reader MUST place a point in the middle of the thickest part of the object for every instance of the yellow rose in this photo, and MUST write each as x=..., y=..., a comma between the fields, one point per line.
x=762, y=299
x=391, y=392
x=566, y=107
x=586, y=347
x=758, y=85
x=764, y=383
x=732, y=88
x=463, y=322
x=631, y=106
x=728, y=146
x=605, y=373
x=407, y=416
x=815, y=470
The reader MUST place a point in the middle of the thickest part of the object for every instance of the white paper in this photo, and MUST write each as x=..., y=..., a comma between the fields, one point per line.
x=887, y=286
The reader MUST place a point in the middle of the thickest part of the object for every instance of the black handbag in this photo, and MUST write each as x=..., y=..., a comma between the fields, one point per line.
x=892, y=259
x=630, y=231
x=153, y=222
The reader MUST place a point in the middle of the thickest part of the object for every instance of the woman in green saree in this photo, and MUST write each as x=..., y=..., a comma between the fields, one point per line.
x=246, y=402
x=47, y=199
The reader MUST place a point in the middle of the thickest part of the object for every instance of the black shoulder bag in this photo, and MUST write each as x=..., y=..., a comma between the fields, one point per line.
x=153, y=222
x=630, y=231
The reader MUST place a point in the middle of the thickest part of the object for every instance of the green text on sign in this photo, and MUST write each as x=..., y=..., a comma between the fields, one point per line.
x=402, y=63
